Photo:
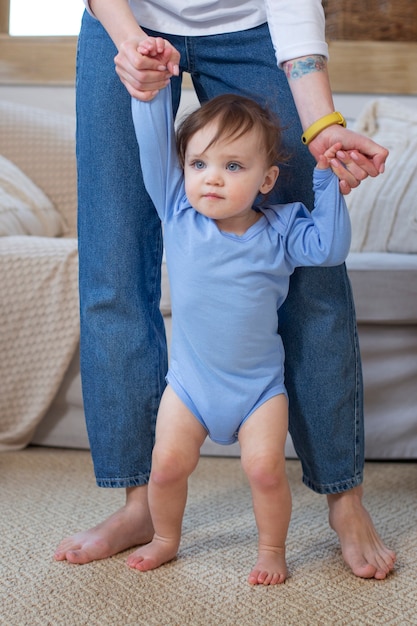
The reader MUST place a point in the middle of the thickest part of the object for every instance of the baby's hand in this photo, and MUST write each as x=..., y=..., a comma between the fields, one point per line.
x=325, y=160
x=152, y=46
x=161, y=50
x=145, y=65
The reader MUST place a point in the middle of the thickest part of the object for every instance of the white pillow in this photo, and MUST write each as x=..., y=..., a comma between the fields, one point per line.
x=24, y=208
x=383, y=210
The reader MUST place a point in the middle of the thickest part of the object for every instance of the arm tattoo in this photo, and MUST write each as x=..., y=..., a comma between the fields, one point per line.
x=304, y=65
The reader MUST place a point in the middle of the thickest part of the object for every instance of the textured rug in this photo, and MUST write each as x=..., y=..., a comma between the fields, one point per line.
x=46, y=494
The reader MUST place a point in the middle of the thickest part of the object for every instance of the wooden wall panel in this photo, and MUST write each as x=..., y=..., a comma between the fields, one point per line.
x=37, y=60
x=355, y=66
x=373, y=67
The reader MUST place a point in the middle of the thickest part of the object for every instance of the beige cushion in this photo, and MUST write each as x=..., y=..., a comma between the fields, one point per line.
x=24, y=208
x=383, y=210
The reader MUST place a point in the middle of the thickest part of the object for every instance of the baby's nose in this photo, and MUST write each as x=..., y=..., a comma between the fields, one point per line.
x=214, y=177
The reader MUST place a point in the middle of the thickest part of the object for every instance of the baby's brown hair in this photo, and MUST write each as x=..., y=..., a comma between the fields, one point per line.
x=236, y=115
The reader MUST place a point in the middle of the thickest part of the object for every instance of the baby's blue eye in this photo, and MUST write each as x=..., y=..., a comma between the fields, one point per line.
x=233, y=167
x=198, y=165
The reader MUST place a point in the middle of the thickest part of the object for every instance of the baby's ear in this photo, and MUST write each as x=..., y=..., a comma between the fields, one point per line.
x=270, y=179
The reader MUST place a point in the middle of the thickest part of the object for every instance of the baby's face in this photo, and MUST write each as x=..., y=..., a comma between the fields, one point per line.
x=222, y=180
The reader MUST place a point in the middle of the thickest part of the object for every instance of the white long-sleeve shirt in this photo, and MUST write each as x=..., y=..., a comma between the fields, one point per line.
x=297, y=27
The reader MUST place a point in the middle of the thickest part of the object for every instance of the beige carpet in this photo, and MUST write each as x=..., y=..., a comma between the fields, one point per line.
x=46, y=494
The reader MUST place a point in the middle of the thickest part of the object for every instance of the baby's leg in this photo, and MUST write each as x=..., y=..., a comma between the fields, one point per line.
x=179, y=437
x=262, y=439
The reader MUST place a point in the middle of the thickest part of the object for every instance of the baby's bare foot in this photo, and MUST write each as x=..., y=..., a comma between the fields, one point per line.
x=154, y=554
x=362, y=549
x=270, y=568
x=129, y=526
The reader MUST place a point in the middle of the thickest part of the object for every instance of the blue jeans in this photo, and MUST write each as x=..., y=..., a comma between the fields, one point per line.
x=123, y=348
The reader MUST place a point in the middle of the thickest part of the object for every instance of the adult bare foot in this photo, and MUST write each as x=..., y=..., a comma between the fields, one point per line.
x=154, y=554
x=270, y=568
x=129, y=526
x=362, y=549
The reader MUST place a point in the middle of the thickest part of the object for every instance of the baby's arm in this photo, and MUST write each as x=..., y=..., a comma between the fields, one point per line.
x=321, y=237
x=154, y=128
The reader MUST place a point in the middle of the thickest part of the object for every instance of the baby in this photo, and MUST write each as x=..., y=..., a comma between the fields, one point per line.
x=229, y=260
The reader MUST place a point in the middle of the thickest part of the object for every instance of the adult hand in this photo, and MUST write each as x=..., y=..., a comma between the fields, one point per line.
x=358, y=157
x=144, y=74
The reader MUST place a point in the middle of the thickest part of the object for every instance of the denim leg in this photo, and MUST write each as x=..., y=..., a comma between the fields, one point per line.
x=123, y=348
x=324, y=378
x=317, y=322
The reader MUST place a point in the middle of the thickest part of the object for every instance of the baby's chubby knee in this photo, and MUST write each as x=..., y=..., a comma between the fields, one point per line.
x=169, y=467
x=264, y=472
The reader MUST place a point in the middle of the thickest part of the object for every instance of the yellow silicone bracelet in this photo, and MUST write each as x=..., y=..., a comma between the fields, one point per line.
x=316, y=128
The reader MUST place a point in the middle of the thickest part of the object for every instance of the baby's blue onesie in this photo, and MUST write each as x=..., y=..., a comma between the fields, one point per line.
x=227, y=357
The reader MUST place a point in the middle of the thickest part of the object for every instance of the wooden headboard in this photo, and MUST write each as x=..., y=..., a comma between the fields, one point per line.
x=355, y=66
x=374, y=67
x=383, y=67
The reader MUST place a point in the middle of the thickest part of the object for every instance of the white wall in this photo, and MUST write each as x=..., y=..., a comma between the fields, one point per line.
x=54, y=98
x=63, y=99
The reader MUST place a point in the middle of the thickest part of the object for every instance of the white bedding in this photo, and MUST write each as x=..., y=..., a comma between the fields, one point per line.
x=39, y=329
x=385, y=289
x=40, y=386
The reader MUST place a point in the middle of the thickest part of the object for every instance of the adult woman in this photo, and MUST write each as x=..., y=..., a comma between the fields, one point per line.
x=226, y=47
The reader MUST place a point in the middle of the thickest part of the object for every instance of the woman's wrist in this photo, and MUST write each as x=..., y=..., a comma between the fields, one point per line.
x=118, y=20
x=323, y=122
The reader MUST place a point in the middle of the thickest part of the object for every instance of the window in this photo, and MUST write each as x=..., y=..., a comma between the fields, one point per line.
x=45, y=17
x=38, y=41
